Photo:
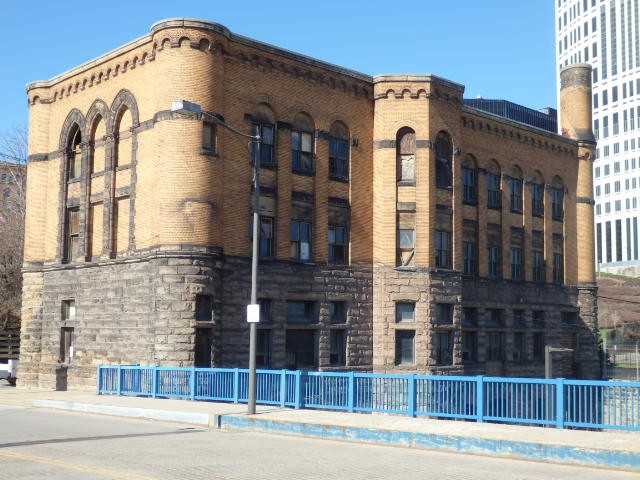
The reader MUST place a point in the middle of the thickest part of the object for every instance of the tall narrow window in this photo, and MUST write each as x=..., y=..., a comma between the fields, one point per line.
x=443, y=249
x=302, y=144
x=74, y=156
x=516, y=264
x=557, y=203
x=300, y=240
x=71, y=236
x=301, y=156
x=537, y=261
x=537, y=199
x=209, y=137
x=66, y=344
x=494, y=193
x=405, y=343
x=515, y=196
x=263, y=348
x=443, y=347
x=266, y=132
x=406, y=246
x=495, y=265
x=469, y=181
x=339, y=152
x=444, y=154
x=337, y=244
x=406, y=155
x=469, y=260
x=266, y=236
x=338, y=347
x=558, y=258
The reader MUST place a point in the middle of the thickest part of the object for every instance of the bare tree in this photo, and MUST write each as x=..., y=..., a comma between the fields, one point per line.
x=13, y=159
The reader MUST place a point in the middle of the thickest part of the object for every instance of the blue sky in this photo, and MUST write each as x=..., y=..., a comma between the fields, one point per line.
x=496, y=48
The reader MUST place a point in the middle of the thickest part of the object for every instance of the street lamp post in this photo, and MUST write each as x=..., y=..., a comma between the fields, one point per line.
x=253, y=310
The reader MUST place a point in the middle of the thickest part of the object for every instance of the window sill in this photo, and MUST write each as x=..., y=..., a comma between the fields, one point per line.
x=269, y=166
x=558, y=219
x=517, y=212
x=537, y=215
x=406, y=183
x=445, y=187
x=337, y=178
x=123, y=167
x=74, y=180
x=209, y=152
x=494, y=207
x=306, y=173
x=405, y=268
x=473, y=203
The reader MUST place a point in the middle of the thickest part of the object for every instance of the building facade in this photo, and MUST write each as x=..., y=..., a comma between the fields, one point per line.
x=606, y=34
x=400, y=230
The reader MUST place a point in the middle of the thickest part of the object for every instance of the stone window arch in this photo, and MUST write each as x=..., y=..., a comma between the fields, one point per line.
x=406, y=154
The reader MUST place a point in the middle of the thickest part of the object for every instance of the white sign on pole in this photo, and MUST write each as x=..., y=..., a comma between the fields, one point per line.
x=253, y=313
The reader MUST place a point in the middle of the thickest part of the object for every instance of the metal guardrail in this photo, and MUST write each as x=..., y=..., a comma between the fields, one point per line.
x=556, y=402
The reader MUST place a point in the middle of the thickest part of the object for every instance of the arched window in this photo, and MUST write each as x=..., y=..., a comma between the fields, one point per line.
x=302, y=144
x=537, y=195
x=263, y=124
x=469, y=180
x=406, y=154
x=444, y=153
x=74, y=161
x=557, y=199
x=515, y=190
x=339, y=151
x=123, y=145
x=494, y=188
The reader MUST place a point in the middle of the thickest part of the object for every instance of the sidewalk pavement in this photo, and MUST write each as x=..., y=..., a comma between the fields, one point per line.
x=610, y=449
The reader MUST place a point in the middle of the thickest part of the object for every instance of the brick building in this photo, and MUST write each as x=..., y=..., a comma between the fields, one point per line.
x=400, y=229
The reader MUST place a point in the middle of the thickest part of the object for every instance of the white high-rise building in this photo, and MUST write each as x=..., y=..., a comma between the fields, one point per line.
x=606, y=34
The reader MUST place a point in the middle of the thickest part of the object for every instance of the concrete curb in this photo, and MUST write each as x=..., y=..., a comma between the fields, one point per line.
x=201, y=419
x=514, y=449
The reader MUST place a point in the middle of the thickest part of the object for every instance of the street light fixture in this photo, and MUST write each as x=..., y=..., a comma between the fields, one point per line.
x=253, y=310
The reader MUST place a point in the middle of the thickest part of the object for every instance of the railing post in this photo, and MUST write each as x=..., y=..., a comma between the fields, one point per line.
x=411, y=396
x=283, y=388
x=154, y=382
x=351, y=392
x=99, y=380
x=298, y=398
x=192, y=383
x=480, y=399
x=119, y=391
x=560, y=399
x=236, y=385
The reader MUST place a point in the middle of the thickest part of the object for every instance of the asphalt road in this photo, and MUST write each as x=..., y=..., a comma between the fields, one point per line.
x=42, y=444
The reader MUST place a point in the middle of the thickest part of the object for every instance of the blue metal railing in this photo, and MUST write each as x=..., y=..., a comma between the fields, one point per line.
x=528, y=401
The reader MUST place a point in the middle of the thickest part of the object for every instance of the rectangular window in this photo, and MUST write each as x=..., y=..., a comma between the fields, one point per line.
x=494, y=195
x=495, y=317
x=300, y=349
x=537, y=319
x=406, y=246
x=495, y=268
x=537, y=261
x=338, y=348
x=300, y=241
x=518, y=319
x=338, y=312
x=266, y=237
x=519, y=351
x=405, y=312
x=608, y=249
x=339, y=159
x=443, y=347
x=516, y=195
x=266, y=133
x=68, y=310
x=444, y=314
x=263, y=348
x=301, y=312
x=469, y=261
x=469, y=191
x=469, y=317
x=266, y=310
x=537, y=199
x=538, y=346
x=204, y=308
x=516, y=264
x=443, y=249
x=405, y=341
x=72, y=232
x=209, y=138
x=469, y=346
x=618, y=240
x=557, y=203
x=337, y=245
x=558, y=268
x=66, y=344
x=599, y=242
x=494, y=346
x=301, y=148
